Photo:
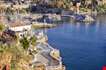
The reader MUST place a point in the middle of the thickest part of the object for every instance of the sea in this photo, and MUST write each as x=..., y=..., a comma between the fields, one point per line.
x=82, y=45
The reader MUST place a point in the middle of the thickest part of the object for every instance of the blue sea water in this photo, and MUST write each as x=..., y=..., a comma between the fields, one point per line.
x=82, y=45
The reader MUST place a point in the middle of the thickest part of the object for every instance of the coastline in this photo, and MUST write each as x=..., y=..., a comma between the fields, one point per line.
x=19, y=23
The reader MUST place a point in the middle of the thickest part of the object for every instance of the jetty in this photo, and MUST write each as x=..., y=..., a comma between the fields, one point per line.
x=42, y=25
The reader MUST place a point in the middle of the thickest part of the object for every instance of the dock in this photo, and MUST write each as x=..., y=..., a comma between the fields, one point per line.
x=42, y=25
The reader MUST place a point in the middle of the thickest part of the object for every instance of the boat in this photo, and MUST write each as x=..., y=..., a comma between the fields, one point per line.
x=83, y=18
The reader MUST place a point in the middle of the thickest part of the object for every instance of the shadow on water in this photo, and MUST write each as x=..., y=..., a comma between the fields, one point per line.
x=82, y=45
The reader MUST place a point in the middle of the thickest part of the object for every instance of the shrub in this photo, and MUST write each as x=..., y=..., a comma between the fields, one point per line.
x=24, y=42
x=2, y=27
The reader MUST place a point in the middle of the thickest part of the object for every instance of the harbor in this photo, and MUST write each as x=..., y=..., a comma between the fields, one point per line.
x=52, y=34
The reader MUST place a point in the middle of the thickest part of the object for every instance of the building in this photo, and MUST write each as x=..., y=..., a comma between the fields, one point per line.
x=20, y=27
x=101, y=2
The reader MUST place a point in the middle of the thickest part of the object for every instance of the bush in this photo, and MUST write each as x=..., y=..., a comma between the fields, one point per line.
x=13, y=55
x=101, y=9
x=24, y=42
x=2, y=27
x=33, y=40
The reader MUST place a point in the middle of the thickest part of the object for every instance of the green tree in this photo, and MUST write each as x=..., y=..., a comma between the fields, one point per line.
x=25, y=43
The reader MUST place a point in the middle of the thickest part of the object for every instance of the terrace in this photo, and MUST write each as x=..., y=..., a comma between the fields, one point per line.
x=44, y=56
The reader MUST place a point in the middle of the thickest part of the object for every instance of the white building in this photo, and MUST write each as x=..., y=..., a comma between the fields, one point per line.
x=19, y=27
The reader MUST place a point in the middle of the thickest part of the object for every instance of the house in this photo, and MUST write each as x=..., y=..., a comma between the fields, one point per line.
x=101, y=2
x=20, y=27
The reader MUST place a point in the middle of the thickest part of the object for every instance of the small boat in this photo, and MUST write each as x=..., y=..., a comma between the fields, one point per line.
x=83, y=18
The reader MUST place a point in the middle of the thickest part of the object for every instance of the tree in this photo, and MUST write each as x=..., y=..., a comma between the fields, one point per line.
x=25, y=43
